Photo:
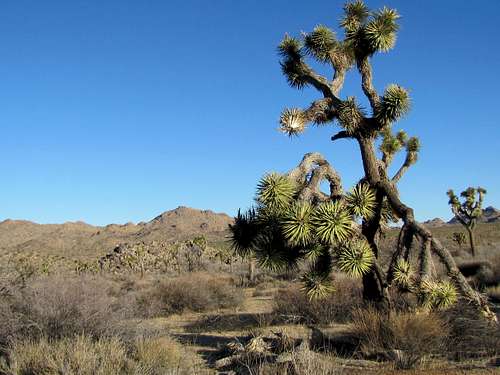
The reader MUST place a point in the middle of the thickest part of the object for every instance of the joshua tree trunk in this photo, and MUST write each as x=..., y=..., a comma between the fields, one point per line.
x=251, y=270
x=406, y=214
x=472, y=241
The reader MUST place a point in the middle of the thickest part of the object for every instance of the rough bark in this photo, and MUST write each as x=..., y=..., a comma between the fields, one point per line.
x=472, y=241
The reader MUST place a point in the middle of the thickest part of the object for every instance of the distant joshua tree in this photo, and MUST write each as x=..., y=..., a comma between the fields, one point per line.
x=293, y=220
x=468, y=211
x=459, y=238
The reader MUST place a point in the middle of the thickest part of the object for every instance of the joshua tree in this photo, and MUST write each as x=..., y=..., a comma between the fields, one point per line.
x=293, y=220
x=469, y=211
x=459, y=238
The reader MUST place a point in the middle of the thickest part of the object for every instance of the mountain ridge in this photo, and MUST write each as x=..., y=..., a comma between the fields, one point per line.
x=81, y=239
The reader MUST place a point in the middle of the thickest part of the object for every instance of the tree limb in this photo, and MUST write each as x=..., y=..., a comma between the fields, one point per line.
x=365, y=69
x=341, y=135
x=310, y=172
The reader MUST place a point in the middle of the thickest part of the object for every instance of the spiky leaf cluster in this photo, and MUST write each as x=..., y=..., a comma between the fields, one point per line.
x=332, y=222
x=361, y=201
x=355, y=257
x=290, y=48
x=356, y=14
x=320, y=42
x=403, y=275
x=244, y=231
x=317, y=285
x=394, y=104
x=438, y=295
x=291, y=51
x=350, y=115
x=275, y=191
x=380, y=31
x=296, y=224
x=292, y=121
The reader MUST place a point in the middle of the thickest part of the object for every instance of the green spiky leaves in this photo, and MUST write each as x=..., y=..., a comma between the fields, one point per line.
x=355, y=257
x=403, y=275
x=332, y=222
x=394, y=104
x=356, y=13
x=350, y=115
x=291, y=51
x=317, y=285
x=320, y=42
x=392, y=144
x=244, y=232
x=275, y=191
x=380, y=32
x=361, y=201
x=292, y=121
x=290, y=48
x=296, y=225
x=438, y=295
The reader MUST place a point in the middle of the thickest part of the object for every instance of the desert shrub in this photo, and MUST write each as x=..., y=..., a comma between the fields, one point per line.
x=106, y=356
x=58, y=307
x=470, y=334
x=162, y=355
x=78, y=355
x=406, y=337
x=293, y=305
x=196, y=292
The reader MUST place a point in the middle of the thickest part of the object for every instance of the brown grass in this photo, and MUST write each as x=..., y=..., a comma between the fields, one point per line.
x=58, y=307
x=294, y=306
x=414, y=336
x=195, y=292
x=107, y=356
x=471, y=335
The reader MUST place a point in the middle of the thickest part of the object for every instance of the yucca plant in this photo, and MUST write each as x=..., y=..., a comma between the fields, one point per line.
x=295, y=220
x=469, y=211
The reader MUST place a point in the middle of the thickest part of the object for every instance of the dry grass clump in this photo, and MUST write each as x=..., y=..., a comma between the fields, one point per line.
x=58, y=307
x=470, y=334
x=293, y=305
x=106, y=356
x=198, y=292
x=406, y=338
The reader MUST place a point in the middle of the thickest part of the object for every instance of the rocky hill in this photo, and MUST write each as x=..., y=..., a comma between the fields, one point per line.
x=78, y=239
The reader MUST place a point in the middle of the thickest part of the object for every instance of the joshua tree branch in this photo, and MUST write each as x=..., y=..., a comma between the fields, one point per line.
x=341, y=135
x=317, y=81
x=406, y=213
x=320, y=111
x=425, y=259
x=338, y=80
x=317, y=167
x=365, y=69
x=401, y=171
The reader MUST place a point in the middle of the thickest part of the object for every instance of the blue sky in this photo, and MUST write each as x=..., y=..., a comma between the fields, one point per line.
x=114, y=111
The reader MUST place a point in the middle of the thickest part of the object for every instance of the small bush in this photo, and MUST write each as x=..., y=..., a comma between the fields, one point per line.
x=107, y=356
x=407, y=337
x=79, y=355
x=58, y=307
x=294, y=306
x=195, y=292
x=470, y=334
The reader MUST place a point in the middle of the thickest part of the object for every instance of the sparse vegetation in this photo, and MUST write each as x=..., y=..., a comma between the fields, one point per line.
x=304, y=282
